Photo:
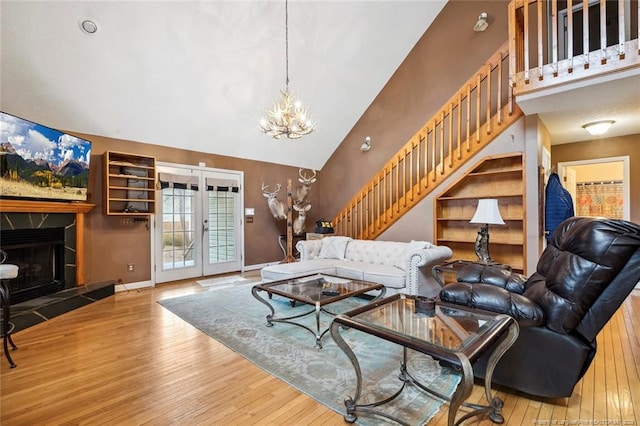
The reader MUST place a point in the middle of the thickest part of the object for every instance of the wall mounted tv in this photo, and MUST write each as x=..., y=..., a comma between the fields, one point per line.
x=41, y=163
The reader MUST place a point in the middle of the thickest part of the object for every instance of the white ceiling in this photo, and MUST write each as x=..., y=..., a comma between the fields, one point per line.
x=199, y=74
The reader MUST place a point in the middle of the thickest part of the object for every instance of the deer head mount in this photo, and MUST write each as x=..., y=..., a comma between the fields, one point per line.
x=298, y=222
x=299, y=199
x=302, y=192
x=276, y=206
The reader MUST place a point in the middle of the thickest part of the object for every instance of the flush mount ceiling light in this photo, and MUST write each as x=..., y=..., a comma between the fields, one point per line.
x=482, y=23
x=598, y=128
x=288, y=117
x=88, y=26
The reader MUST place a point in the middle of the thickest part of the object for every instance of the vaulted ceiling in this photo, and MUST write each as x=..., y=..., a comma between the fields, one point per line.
x=199, y=74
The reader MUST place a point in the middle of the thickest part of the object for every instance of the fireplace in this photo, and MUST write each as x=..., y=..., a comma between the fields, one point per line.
x=62, y=242
x=43, y=246
x=39, y=255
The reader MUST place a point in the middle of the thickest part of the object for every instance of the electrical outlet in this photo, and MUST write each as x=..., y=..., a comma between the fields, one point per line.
x=130, y=267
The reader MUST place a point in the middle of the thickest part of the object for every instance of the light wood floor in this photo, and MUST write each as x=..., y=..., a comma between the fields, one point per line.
x=126, y=360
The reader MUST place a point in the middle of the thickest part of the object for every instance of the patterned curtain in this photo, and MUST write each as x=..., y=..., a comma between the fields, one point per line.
x=599, y=199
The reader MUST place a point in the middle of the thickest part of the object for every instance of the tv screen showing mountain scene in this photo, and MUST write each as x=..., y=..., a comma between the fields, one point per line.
x=40, y=162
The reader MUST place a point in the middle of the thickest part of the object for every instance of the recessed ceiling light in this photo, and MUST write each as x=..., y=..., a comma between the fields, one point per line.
x=88, y=26
x=598, y=128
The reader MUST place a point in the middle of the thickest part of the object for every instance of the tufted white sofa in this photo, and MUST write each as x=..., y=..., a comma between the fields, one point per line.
x=402, y=267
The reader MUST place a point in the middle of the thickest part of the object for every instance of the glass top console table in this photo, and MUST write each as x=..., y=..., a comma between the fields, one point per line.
x=454, y=336
x=318, y=290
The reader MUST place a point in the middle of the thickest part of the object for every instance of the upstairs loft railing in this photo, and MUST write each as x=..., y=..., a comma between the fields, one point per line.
x=559, y=41
x=475, y=115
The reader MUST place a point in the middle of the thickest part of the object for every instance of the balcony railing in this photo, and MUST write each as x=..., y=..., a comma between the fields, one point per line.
x=553, y=42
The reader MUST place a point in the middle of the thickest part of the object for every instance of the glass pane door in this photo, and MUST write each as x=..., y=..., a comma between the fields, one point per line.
x=178, y=228
x=222, y=230
x=198, y=223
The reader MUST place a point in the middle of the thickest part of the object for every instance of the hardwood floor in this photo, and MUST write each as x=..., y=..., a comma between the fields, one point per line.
x=127, y=360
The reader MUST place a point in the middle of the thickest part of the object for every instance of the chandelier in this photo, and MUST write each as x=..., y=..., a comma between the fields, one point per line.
x=288, y=117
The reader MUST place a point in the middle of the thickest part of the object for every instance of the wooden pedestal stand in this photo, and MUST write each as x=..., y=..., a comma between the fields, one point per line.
x=289, y=257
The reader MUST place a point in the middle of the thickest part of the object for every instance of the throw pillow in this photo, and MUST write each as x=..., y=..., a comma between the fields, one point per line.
x=334, y=247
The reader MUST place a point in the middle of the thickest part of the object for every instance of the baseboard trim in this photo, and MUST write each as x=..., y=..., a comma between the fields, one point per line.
x=133, y=286
x=259, y=266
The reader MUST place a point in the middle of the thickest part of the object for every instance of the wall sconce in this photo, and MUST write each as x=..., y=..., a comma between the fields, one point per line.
x=486, y=213
x=482, y=23
x=366, y=145
x=598, y=128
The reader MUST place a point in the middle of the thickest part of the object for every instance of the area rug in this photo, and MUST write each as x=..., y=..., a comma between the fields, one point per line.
x=223, y=281
x=236, y=319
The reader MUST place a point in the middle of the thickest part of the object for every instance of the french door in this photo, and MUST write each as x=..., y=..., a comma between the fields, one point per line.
x=198, y=227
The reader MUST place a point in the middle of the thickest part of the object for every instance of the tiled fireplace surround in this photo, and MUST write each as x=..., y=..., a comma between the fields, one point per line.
x=17, y=215
x=24, y=221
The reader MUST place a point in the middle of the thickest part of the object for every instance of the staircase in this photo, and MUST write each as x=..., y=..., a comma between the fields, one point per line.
x=473, y=117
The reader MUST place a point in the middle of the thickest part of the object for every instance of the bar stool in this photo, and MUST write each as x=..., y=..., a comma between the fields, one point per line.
x=7, y=272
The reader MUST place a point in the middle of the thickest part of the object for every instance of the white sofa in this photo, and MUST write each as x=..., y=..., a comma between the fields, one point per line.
x=400, y=266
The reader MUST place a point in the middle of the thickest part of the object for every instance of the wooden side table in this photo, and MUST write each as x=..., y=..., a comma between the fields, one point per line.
x=282, y=241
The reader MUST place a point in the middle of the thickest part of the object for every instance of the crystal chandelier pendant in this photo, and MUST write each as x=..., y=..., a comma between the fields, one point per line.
x=288, y=117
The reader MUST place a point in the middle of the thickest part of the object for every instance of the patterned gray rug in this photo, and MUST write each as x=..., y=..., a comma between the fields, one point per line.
x=233, y=317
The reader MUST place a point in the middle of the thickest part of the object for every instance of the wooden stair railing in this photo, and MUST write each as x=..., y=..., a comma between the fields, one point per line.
x=473, y=117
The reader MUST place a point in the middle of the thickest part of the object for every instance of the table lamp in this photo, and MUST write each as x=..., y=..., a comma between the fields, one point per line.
x=486, y=213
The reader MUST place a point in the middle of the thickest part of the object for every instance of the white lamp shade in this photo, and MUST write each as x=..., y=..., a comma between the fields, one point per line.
x=487, y=212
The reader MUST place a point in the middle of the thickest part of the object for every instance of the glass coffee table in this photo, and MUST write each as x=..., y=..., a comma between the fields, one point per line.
x=318, y=290
x=453, y=335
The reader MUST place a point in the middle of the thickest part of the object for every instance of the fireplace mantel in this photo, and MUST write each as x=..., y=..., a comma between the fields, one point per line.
x=79, y=208
x=30, y=206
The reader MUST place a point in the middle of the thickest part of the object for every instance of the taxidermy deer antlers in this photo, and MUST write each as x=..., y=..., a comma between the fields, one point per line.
x=300, y=200
x=298, y=223
x=275, y=206
x=302, y=192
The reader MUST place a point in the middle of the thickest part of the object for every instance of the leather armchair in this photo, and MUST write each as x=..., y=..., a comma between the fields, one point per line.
x=589, y=267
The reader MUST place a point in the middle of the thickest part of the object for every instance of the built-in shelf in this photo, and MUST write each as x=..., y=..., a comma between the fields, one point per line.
x=500, y=177
x=129, y=184
x=475, y=197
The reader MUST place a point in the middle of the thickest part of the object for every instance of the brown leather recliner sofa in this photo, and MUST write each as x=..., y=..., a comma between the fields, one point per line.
x=589, y=267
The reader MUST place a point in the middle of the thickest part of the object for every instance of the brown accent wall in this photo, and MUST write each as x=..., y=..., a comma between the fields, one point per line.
x=604, y=148
x=111, y=246
x=441, y=61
